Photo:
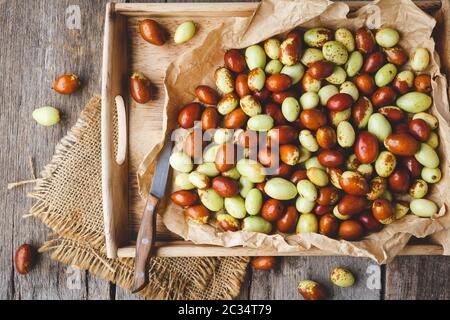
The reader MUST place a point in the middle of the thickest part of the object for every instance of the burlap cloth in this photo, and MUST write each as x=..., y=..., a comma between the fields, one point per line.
x=69, y=201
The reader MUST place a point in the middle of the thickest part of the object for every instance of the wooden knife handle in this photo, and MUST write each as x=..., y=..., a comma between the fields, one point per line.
x=144, y=244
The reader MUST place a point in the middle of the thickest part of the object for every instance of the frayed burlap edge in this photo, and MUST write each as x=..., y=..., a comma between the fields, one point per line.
x=163, y=279
x=53, y=218
x=76, y=244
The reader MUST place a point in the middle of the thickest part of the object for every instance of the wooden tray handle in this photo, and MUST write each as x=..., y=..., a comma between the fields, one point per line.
x=122, y=130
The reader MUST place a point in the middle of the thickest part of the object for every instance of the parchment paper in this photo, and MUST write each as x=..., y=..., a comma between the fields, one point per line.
x=274, y=17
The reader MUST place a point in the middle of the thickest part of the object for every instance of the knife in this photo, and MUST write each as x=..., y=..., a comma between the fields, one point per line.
x=147, y=230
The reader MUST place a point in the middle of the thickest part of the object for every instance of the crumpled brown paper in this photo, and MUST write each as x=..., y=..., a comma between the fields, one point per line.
x=274, y=17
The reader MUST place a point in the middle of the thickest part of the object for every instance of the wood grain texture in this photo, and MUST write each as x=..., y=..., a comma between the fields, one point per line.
x=114, y=175
x=29, y=64
x=98, y=288
x=123, y=294
x=418, y=278
x=281, y=283
x=182, y=248
x=145, y=120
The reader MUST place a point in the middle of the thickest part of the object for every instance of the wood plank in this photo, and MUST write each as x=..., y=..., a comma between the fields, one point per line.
x=228, y=8
x=29, y=65
x=7, y=159
x=98, y=288
x=116, y=292
x=281, y=283
x=123, y=294
x=418, y=278
x=424, y=277
x=114, y=175
x=186, y=9
x=146, y=120
x=246, y=285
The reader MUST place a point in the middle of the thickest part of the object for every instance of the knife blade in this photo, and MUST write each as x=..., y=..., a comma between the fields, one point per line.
x=161, y=172
x=146, y=236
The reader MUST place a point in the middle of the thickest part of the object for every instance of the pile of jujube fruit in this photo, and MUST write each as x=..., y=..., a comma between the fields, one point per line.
x=348, y=114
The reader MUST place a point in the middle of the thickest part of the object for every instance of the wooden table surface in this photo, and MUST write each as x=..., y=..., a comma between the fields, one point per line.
x=39, y=40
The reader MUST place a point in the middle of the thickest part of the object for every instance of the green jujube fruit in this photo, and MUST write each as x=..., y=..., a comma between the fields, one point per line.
x=433, y=140
x=211, y=199
x=208, y=168
x=345, y=134
x=326, y=92
x=423, y=208
x=290, y=109
x=222, y=135
x=420, y=59
x=379, y=126
x=184, y=32
x=245, y=185
x=316, y=37
x=431, y=120
x=431, y=175
x=295, y=72
x=251, y=169
x=307, y=190
x=418, y=189
x=307, y=223
x=338, y=76
x=335, y=52
x=350, y=88
x=304, y=205
x=255, y=57
x=340, y=116
x=232, y=173
x=385, y=164
x=309, y=100
x=46, y=116
x=317, y=176
x=209, y=155
x=414, y=102
x=253, y=201
x=313, y=162
x=345, y=37
x=260, y=123
x=273, y=67
x=280, y=189
x=181, y=162
x=354, y=63
x=272, y=48
x=385, y=75
x=182, y=182
x=308, y=141
x=311, y=55
x=387, y=37
x=235, y=206
x=400, y=210
x=342, y=277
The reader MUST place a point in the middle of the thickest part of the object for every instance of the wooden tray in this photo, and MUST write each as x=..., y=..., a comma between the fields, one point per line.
x=124, y=52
